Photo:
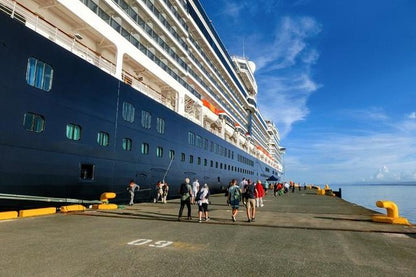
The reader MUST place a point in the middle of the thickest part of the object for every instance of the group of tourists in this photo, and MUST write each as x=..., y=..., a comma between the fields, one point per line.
x=247, y=192
x=196, y=195
x=282, y=188
x=161, y=192
x=251, y=194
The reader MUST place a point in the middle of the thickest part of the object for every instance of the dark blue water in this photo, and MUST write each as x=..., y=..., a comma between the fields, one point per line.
x=367, y=195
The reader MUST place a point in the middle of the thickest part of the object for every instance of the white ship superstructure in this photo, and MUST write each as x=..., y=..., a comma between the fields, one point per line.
x=170, y=51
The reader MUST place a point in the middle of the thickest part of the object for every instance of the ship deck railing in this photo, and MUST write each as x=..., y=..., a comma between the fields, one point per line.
x=72, y=44
x=53, y=33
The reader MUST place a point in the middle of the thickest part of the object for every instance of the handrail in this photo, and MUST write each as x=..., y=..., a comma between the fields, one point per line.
x=39, y=24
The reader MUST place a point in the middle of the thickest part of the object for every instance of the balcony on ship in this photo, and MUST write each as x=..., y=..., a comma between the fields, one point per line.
x=157, y=48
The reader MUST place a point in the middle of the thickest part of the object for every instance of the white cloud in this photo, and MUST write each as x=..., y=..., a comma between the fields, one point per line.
x=232, y=9
x=368, y=114
x=289, y=44
x=412, y=115
x=284, y=71
x=374, y=156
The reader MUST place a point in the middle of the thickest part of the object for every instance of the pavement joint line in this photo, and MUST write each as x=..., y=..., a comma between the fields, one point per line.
x=242, y=223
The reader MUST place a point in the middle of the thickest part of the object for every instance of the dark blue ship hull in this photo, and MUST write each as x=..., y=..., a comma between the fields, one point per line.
x=49, y=164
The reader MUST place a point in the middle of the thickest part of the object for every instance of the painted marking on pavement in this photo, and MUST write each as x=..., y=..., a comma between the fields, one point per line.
x=147, y=242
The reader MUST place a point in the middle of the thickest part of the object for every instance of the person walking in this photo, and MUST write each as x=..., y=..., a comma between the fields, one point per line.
x=186, y=194
x=259, y=194
x=131, y=189
x=165, y=189
x=202, y=201
x=234, y=198
x=158, y=192
x=251, y=202
x=195, y=189
x=242, y=186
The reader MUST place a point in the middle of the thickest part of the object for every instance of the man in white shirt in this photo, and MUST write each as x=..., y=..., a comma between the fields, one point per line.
x=242, y=187
x=195, y=189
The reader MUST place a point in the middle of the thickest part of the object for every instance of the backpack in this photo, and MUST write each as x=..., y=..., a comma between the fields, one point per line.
x=198, y=196
x=183, y=189
x=185, y=192
x=250, y=191
x=236, y=194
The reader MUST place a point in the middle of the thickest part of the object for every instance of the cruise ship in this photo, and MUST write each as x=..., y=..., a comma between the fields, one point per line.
x=95, y=93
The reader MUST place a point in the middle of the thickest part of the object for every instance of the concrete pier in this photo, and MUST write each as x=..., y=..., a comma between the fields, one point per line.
x=297, y=234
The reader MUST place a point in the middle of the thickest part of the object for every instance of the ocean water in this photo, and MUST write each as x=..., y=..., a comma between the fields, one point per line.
x=367, y=195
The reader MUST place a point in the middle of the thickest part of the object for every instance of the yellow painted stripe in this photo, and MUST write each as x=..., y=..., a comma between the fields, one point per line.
x=8, y=215
x=72, y=208
x=37, y=212
x=105, y=206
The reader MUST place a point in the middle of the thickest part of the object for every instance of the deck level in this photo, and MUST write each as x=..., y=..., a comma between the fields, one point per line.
x=298, y=234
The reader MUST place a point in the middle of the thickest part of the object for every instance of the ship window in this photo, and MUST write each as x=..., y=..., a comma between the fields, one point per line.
x=103, y=138
x=146, y=120
x=216, y=164
x=182, y=157
x=160, y=125
x=127, y=143
x=212, y=147
x=39, y=74
x=128, y=112
x=212, y=163
x=205, y=144
x=73, y=131
x=87, y=171
x=34, y=122
x=159, y=152
x=199, y=141
x=191, y=138
x=145, y=148
x=191, y=159
x=205, y=162
x=198, y=160
x=220, y=165
x=171, y=154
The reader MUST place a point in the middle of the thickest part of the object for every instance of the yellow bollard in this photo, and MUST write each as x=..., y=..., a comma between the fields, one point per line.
x=104, y=200
x=107, y=195
x=392, y=216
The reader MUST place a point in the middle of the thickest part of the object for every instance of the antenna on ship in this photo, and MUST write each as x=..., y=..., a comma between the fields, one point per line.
x=244, y=52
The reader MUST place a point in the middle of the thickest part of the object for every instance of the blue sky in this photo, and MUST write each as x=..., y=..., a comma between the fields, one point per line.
x=337, y=77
